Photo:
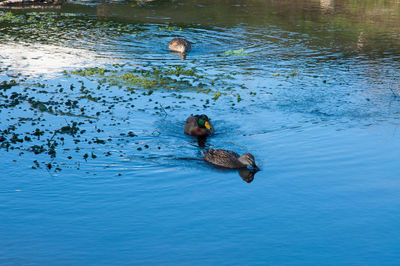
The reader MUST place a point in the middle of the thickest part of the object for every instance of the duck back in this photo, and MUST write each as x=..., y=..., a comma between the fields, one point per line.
x=224, y=158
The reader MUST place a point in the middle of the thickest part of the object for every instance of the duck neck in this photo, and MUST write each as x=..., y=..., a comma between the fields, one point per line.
x=242, y=161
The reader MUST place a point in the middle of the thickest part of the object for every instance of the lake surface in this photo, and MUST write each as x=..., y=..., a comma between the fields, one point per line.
x=96, y=169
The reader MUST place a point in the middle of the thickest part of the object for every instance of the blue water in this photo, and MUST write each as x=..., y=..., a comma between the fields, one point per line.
x=311, y=203
x=326, y=139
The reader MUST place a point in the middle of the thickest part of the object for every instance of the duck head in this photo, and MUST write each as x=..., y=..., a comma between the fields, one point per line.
x=248, y=159
x=203, y=121
x=179, y=45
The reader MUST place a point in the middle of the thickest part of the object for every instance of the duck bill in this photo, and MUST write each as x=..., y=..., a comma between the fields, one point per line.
x=255, y=168
x=207, y=125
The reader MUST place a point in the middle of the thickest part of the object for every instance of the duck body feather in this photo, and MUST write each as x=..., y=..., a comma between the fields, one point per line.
x=224, y=158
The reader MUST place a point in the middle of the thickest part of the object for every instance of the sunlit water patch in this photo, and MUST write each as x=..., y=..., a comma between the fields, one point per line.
x=46, y=60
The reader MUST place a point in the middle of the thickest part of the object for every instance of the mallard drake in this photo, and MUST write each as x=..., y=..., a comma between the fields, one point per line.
x=198, y=125
x=229, y=159
x=179, y=45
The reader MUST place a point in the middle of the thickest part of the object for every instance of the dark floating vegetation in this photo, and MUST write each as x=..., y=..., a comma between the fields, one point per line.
x=79, y=119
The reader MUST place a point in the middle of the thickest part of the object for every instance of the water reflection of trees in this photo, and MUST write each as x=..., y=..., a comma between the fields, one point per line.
x=375, y=19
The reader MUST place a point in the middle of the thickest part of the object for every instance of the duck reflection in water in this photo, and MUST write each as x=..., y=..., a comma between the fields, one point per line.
x=201, y=141
x=247, y=175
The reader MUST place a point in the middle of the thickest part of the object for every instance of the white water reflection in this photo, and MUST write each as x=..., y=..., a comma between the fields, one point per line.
x=41, y=59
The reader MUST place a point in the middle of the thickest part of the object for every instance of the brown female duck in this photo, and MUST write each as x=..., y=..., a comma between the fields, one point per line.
x=180, y=45
x=230, y=159
x=198, y=125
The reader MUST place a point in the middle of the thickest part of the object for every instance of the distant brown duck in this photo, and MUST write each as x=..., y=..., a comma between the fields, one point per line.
x=198, y=125
x=230, y=159
x=180, y=45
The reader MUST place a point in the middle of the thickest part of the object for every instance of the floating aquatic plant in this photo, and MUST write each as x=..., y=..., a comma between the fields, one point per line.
x=238, y=52
x=68, y=121
x=217, y=95
x=175, y=77
x=169, y=28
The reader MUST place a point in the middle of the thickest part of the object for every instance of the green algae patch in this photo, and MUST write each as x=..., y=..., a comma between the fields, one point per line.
x=87, y=72
x=138, y=81
x=169, y=28
x=217, y=95
x=170, y=78
x=238, y=52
